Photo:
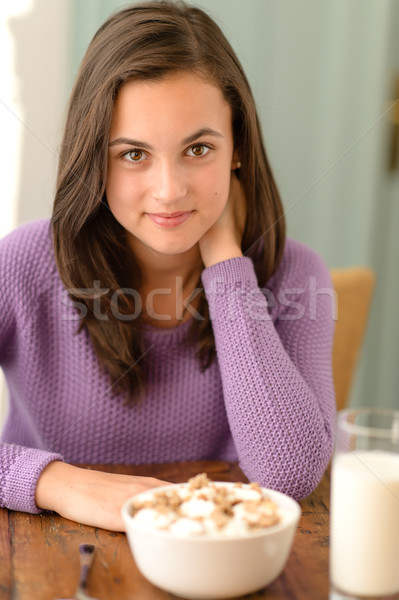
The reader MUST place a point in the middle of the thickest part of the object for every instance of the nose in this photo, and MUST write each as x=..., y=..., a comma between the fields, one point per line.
x=168, y=184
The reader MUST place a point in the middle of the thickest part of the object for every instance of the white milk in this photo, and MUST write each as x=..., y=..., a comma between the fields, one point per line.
x=364, y=550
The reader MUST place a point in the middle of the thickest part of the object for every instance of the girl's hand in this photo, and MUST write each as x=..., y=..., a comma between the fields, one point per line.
x=89, y=497
x=223, y=240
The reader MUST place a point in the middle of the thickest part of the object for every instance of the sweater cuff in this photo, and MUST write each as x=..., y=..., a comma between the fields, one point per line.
x=232, y=271
x=232, y=292
x=22, y=477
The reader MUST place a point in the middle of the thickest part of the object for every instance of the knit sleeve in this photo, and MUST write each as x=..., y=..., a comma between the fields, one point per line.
x=20, y=467
x=274, y=353
x=24, y=267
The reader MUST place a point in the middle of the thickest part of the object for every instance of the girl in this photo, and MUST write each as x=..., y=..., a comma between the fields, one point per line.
x=138, y=327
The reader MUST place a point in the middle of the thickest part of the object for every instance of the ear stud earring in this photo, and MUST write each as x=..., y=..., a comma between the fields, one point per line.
x=238, y=166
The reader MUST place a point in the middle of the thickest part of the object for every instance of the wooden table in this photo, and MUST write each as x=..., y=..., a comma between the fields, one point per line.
x=39, y=553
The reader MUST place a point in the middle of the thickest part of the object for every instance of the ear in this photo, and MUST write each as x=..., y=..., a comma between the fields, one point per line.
x=235, y=161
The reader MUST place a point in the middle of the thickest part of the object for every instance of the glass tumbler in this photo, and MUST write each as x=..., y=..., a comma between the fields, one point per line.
x=364, y=540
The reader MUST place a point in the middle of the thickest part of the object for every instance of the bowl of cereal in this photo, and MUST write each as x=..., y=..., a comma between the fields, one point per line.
x=208, y=540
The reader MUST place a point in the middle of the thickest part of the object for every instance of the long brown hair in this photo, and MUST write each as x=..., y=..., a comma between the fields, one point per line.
x=147, y=41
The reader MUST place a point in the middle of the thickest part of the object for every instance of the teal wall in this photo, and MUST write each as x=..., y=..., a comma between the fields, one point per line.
x=310, y=65
x=320, y=73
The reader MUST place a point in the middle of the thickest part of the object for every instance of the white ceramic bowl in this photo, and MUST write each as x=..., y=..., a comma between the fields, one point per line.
x=205, y=568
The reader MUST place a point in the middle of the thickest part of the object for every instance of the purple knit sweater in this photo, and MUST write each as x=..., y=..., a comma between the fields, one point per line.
x=267, y=401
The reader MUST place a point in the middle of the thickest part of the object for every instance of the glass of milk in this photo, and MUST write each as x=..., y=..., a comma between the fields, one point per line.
x=364, y=542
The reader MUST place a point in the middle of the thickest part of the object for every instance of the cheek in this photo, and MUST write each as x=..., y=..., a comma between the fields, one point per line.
x=215, y=192
x=119, y=191
x=214, y=180
x=112, y=188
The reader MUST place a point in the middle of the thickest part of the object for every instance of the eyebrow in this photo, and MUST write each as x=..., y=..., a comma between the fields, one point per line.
x=187, y=140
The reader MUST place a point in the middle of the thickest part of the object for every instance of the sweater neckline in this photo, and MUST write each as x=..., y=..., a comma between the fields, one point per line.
x=166, y=336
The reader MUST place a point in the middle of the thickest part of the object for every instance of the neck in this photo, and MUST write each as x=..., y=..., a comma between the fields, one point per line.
x=167, y=281
x=162, y=269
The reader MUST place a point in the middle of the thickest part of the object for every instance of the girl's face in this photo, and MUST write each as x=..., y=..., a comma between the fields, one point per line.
x=170, y=160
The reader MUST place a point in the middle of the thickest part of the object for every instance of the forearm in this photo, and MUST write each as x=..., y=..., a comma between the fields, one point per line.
x=282, y=429
x=279, y=402
x=215, y=253
x=56, y=480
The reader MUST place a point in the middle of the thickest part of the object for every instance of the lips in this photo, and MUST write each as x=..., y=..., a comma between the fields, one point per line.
x=170, y=219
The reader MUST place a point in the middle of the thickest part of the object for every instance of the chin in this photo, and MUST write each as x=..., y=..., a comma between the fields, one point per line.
x=165, y=243
x=170, y=249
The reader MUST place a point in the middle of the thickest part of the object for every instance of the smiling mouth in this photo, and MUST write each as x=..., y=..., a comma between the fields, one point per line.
x=169, y=220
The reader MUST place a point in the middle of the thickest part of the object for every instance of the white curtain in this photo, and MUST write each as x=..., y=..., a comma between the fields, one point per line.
x=34, y=69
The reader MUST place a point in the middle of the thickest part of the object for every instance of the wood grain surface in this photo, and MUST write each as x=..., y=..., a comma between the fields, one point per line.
x=39, y=557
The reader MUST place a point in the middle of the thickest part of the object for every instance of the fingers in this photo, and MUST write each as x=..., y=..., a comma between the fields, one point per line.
x=90, y=497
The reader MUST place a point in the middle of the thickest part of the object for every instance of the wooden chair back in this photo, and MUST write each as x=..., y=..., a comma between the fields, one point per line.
x=354, y=287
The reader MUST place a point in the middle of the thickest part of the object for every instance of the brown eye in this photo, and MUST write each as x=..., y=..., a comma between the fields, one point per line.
x=135, y=155
x=198, y=150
